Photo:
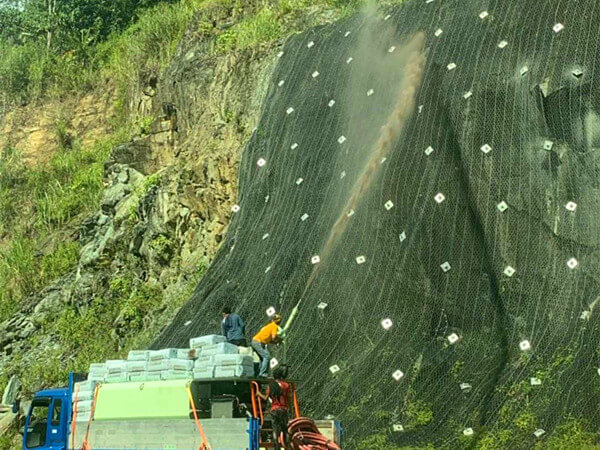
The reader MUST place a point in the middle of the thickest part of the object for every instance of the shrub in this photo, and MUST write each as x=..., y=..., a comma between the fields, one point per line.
x=72, y=183
x=571, y=435
x=28, y=72
x=11, y=179
x=265, y=26
x=16, y=78
x=18, y=275
x=145, y=47
x=60, y=261
x=418, y=413
x=64, y=139
x=10, y=442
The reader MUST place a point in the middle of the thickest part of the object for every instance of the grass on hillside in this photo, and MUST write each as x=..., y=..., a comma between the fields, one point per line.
x=273, y=21
x=36, y=203
x=30, y=73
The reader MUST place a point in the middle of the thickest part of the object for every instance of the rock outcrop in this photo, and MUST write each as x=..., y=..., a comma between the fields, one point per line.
x=166, y=204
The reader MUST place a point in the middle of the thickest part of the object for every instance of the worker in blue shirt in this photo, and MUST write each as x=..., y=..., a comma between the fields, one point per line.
x=233, y=328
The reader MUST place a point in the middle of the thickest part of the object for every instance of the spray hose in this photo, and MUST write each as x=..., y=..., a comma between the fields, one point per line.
x=283, y=331
x=306, y=436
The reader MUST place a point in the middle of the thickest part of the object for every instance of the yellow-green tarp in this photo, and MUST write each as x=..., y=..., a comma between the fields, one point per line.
x=137, y=400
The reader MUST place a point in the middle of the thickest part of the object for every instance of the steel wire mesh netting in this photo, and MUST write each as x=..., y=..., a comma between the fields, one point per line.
x=458, y=296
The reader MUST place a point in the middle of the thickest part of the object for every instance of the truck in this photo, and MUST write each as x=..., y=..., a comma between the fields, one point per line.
x=180, y=414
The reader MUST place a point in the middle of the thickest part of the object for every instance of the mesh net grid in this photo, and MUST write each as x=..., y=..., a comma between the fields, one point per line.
x=460, y=296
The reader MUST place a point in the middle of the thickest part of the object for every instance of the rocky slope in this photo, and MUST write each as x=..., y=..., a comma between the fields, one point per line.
x=459, y=310
x=164, y=210
x=168, y=195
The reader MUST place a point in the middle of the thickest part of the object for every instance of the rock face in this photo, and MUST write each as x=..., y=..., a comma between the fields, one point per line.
x=469, y=260
x=11, y=391
x=167, y=202
x=460, y=302
x=162, y=227
x=32, y=130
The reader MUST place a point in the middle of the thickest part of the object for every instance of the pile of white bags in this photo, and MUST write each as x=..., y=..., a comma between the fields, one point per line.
x=219, y=359
x=208, y=357
x=83, y=396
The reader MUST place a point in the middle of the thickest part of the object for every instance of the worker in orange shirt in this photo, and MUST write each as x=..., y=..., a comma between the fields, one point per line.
x=267, y=335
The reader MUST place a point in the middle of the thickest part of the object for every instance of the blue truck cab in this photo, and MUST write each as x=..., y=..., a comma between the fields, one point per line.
x=47, y=422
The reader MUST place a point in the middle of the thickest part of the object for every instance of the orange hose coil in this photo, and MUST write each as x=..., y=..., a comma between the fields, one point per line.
x=306, y=436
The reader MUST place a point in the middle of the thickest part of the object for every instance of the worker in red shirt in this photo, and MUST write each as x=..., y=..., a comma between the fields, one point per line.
x=278, y=392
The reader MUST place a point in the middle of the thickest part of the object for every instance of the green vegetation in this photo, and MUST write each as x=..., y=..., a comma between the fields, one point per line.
x=39, y=202
x=68, y=25
x=162, y=247
x=375, y=442
x=264, y=26
x=572, y=434
x=418, y=413
x=144, y=124
x=59, y=262
x=150, y=182
x=140, y=191
x=525, y=422
x=526, y=405
x=496, y=440
x=124, y=318
x=146, y=47
x=8, y=442
x=79, y=44
x=274, y=20
x=381, y=441
x=71, y=183
x=28, y=71
x=50, y=47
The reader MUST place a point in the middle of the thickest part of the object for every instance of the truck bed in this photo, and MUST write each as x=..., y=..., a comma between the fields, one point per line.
x=162, y=434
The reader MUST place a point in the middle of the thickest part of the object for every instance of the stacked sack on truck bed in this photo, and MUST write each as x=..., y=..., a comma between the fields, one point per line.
x=171, y=363
x=219, y=359
x=83, y=396
x=208, y=357
x=146, y=365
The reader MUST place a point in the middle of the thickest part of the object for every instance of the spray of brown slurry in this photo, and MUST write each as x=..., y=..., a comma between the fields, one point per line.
x=396, y=122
